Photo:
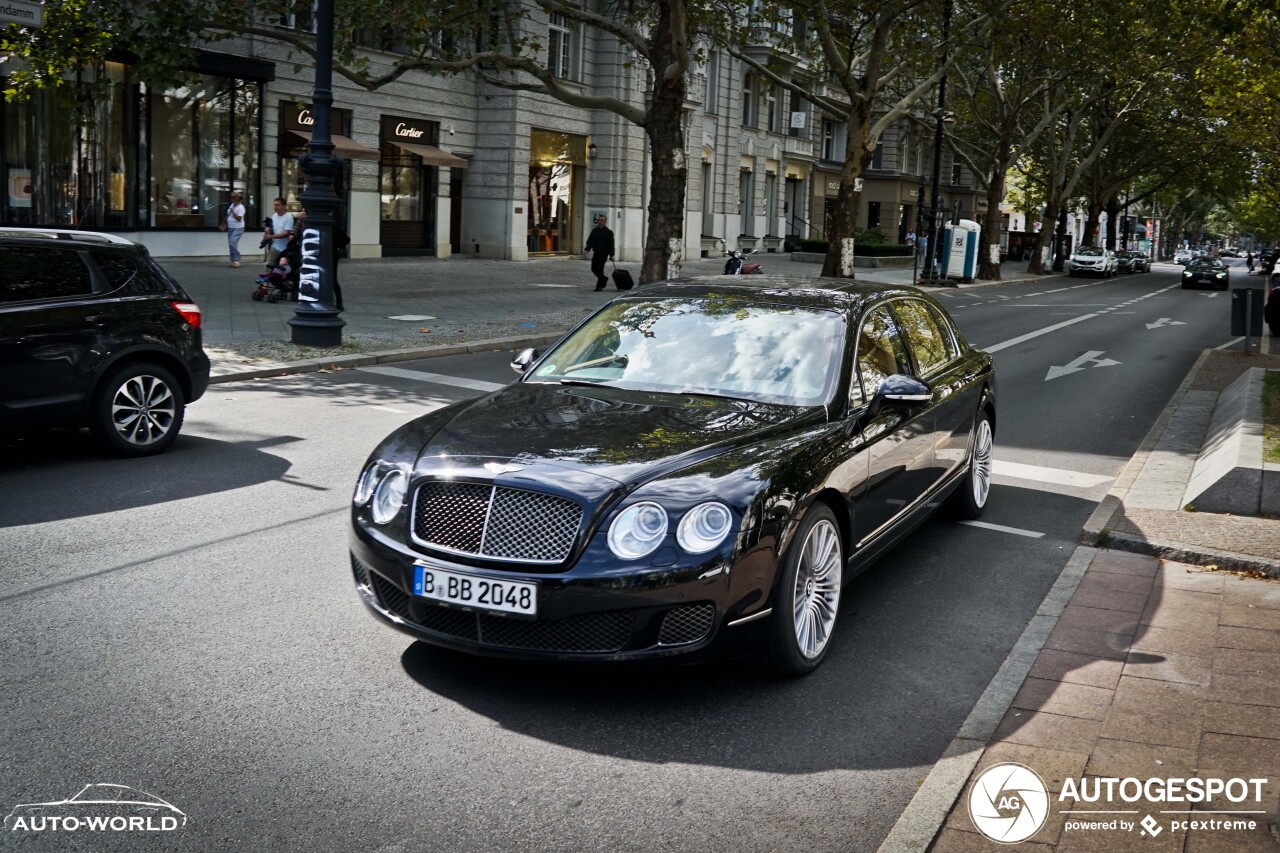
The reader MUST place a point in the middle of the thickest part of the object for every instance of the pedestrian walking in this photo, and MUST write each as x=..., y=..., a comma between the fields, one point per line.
x=1249, y=260
x=279, y=233
x=234, y=226
x=600, y=241
x=911, y=239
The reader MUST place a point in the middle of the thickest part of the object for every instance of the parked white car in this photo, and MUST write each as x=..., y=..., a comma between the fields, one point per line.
x=1183, y=256
x=1093, y=260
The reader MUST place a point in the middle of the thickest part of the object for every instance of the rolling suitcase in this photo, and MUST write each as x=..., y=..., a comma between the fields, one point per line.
x=622, y=279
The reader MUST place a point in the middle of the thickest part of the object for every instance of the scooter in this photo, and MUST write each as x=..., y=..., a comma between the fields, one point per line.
x=737, y=263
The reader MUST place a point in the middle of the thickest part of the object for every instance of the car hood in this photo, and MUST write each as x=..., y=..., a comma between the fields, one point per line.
x=593, y=439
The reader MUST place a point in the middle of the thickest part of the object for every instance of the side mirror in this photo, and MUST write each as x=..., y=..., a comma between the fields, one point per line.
x=900, y=388
x=522, y=361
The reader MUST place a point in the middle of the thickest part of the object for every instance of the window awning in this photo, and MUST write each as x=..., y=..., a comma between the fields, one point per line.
x=433, y=156
x=344, y=146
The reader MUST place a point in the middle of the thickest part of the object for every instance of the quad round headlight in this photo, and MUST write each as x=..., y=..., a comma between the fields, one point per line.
x=704, y=527
x=389, y=496
x=364, y=486
x=638, y=530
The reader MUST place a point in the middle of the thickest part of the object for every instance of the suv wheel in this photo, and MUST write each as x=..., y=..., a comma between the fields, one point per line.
x=137, y=410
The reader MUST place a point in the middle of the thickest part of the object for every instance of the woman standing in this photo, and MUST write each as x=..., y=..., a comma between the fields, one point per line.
x=234, y=226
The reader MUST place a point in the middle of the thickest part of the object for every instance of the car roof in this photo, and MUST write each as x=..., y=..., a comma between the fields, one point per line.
x=833, y=293
x=61, y=237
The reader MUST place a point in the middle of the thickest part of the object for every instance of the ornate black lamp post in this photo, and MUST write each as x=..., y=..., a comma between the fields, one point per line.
x=315, y=320
x=1060, y=242
x=935, y=233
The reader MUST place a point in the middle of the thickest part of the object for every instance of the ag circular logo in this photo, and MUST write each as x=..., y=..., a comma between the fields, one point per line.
x=1008, y=803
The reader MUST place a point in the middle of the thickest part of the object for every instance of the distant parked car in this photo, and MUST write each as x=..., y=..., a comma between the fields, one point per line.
x=1183, y=256
x=1131, y=262
x=1093, y=260
x=94, y=333
x=1206, y=272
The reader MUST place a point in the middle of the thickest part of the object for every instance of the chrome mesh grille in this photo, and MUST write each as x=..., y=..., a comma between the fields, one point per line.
x=390, y=597
x=495, y=521
x=686, y=624
x=361, y=573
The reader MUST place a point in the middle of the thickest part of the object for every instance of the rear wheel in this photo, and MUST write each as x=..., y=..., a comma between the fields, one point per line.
x=804, y=615
x=137, y=410
x=968, y=501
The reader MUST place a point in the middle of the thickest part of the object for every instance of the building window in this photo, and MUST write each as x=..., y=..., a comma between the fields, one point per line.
x=877, y=159
x=834, y=134
x=799, y=107
x=771, y=108
x=955, y=173
x=562, y=48
x=204, y=144
x=770, y=203
x=750, y=108
x=873, y=214
x=746, y=206
x=712, y=102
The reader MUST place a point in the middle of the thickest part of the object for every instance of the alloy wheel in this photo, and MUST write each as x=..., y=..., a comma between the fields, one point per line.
x=981, y=463
x=816, y=597
x=143, y=410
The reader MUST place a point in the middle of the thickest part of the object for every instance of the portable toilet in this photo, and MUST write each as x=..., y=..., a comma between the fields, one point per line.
x=960, y=260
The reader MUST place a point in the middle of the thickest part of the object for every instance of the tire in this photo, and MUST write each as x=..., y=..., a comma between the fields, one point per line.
x=117, y=417
x=257, y=296
x=808, y=599
x=968, y=501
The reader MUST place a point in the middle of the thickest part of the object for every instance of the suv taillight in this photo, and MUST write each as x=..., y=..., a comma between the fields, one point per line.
x=189, y=311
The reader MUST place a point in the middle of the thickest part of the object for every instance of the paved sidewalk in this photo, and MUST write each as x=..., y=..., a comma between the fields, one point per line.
x=1153, y=670
x=400, y=308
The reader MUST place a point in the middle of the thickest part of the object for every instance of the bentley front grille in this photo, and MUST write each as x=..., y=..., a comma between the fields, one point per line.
x=496, y=522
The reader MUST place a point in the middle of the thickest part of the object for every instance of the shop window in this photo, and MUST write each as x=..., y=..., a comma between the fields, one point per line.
x=562, y=47
x=873, y=214
x=204, y=144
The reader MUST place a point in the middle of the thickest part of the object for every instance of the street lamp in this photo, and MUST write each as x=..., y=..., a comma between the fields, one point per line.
x=935, y=233
x=315, y=321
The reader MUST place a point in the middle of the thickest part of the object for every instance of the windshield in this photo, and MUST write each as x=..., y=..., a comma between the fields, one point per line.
x=722, y=347
x=1090, y=251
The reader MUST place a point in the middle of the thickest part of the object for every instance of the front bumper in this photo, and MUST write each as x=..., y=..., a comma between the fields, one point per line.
x=604, y=614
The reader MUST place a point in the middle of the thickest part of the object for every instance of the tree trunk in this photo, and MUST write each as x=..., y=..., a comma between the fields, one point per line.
x=989, y=268
x=1090, y=237
x=1113, y=213
x=668, y=162
x=844, y=217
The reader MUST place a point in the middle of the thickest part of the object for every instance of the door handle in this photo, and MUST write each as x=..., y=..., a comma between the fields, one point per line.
x=99, y=319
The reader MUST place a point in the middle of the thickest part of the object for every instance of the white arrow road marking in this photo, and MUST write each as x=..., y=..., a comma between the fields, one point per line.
x=436, y=378
x=1013, y=342
x=1078, y=364
x=1209, y=295
x=1059, y=476
x=1002, y=529
x=1165, y=321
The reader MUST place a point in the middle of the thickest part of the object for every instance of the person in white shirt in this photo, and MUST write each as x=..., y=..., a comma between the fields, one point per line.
x=280, y=233
x=235, y=227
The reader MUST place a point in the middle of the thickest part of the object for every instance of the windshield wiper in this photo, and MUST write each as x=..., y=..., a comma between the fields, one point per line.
x=592, y=382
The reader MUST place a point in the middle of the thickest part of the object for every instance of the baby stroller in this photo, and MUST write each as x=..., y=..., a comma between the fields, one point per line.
x=281, y=282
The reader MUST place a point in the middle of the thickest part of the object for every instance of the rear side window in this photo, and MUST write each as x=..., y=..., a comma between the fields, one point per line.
x=118, y=267
x=30, y=273
x=930, y=345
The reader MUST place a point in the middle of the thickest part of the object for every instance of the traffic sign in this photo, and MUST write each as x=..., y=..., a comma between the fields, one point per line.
x=23, y=12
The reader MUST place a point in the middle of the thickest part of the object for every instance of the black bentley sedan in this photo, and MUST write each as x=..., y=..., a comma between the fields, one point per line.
x=697, y=467
x=1206, y=272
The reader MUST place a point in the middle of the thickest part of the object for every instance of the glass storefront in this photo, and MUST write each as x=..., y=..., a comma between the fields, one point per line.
x=555, y=162
x=203, y=145
x=104, y=152
x=407, y=181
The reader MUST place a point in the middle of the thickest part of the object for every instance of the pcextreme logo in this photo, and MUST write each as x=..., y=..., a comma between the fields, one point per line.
x=1009, y=803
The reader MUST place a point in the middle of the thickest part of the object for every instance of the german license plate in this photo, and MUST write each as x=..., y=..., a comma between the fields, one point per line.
x=482, y=593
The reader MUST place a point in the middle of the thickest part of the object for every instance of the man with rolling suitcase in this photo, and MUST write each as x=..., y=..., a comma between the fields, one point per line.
x=599, y=241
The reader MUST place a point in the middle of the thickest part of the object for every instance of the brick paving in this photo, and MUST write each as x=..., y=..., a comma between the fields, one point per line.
x=1168, y=670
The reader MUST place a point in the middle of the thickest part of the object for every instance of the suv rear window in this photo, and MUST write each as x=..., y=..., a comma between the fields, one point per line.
x=30, y=273
x=118, y=267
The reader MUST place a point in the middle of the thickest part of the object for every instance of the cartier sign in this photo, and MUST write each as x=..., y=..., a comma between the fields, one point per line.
x=302, y=117
x=403, y=129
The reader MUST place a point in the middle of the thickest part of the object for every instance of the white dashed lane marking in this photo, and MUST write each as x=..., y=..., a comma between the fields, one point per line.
x=1000, y=528
x=1057, y=476
x=434, y=378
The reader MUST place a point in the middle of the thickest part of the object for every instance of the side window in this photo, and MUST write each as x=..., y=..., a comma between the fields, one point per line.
x=880, y=354
x=930, y=345
x=33, y=273
x=118, y=267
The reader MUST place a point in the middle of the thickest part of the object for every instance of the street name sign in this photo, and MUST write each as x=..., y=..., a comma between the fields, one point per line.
x=22, y=12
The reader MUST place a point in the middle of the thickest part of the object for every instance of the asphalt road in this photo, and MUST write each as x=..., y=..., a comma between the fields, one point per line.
x=186, y=625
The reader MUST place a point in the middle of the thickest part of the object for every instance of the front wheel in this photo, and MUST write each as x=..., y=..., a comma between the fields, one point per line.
x=137, y=410
x=808, y=599
x=968, y=501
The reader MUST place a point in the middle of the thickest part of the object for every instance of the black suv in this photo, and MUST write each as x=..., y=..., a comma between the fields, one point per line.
x=94, y=333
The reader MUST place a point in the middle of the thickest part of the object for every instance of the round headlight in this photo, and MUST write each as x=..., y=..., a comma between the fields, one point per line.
x=637, y=530
x=704, y=527
x=364, y=486
x=389, y=496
